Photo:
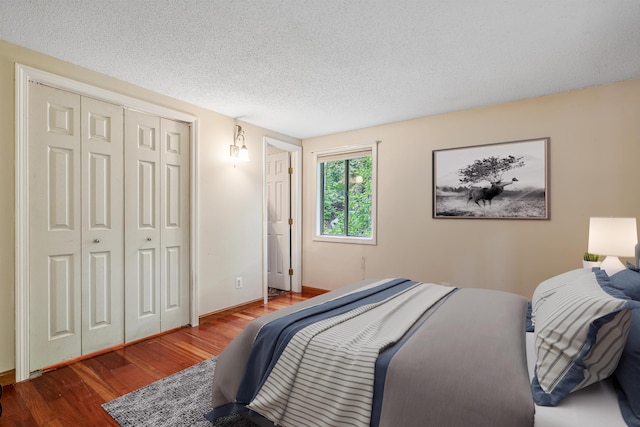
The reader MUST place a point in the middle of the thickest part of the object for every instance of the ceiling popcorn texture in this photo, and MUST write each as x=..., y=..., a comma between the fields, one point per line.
x=310, y=68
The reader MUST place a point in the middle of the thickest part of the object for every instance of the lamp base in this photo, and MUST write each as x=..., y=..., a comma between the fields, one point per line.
x=611, y=265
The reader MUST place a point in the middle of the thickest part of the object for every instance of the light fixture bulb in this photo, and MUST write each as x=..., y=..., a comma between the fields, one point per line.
x=244, y=153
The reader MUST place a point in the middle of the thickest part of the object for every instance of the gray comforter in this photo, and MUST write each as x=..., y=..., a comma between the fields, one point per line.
x=464, y=366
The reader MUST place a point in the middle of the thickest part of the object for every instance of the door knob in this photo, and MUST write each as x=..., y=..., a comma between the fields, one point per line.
x=96, y=240
x=148, y=239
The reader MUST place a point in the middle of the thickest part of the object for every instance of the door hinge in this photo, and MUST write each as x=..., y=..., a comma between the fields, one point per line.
x=290, y=171
x=291, y=272
x=290, y=221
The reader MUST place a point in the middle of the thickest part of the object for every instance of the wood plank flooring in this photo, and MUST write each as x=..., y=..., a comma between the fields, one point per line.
x=71, y=395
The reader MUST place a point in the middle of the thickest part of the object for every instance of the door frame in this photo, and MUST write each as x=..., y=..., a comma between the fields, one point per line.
x=296, y=214
x=23, y=75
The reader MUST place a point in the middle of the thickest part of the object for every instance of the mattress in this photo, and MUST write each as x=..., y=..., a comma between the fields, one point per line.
x=593, y=406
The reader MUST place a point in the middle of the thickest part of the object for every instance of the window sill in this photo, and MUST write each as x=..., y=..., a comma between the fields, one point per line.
x=345, y=239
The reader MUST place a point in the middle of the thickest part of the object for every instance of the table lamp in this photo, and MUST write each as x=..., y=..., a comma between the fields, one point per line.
x=612, y=237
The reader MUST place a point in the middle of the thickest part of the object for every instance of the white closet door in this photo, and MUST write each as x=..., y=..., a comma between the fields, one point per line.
x=108, y=225
x=142, y=225
x=278, y=228
x=174, y=218
x=54, y=226
x=102, y=225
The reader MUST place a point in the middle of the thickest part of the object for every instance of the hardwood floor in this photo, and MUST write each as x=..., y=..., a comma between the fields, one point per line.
x=71, y=395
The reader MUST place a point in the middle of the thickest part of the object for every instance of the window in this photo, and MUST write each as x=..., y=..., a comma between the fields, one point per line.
x=346, y=189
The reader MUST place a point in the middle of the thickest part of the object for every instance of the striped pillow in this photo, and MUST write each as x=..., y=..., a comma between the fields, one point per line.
x=549, y=287
x=581, y=329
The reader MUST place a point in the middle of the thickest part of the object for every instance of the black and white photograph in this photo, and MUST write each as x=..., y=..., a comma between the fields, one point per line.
x=502, y=180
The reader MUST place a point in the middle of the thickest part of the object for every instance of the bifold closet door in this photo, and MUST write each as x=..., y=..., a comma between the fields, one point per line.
x=75, y=226
x=156, y=225
x=142, y=225
x=174, y=219
x=102, y=225
x=54, y=226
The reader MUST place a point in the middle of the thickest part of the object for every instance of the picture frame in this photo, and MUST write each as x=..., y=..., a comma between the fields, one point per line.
x=505, y=180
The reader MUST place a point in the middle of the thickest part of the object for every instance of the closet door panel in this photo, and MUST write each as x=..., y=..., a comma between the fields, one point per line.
x=174, y=218
x=102, y=225
x=147, y=260
x=54, y=226
x=142, y=230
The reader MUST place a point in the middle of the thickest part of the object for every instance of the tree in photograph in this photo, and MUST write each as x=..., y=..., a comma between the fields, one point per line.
x=489, y=169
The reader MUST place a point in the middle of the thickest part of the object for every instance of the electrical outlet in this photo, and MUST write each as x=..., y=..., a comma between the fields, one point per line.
x=238, y=283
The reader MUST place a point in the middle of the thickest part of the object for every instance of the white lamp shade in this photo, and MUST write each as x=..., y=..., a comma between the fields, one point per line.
x=613, y=236
x=244, y=153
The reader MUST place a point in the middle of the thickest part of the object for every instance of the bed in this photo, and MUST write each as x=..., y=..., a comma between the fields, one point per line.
x=396, y=352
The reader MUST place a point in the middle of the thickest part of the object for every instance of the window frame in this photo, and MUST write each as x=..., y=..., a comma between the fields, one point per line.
x=345, y=151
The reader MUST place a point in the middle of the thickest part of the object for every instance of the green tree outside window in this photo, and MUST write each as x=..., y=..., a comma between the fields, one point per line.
x=347, y=197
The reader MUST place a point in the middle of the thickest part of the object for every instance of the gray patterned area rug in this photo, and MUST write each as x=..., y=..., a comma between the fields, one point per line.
x=179, y=400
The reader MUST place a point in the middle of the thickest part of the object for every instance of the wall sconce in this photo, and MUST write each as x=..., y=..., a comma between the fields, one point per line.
x=613, y=237
x=237, y=151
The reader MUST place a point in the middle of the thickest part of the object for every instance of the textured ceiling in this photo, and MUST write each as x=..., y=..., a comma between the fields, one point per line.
x=308, y=68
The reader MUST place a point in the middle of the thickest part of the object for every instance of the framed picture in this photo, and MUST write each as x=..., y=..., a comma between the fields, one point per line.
x=502, y=180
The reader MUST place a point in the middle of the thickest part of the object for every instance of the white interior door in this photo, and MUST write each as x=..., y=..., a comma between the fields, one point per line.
x=142, y=225
x=174, y=219
x=55, y=226
x=278, y=227
x=102, y=225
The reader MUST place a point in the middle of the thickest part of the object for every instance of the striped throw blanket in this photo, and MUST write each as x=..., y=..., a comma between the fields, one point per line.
x=325, y=374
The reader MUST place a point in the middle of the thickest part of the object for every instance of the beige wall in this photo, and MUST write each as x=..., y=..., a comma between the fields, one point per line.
x=594, y=157
x=230, y=199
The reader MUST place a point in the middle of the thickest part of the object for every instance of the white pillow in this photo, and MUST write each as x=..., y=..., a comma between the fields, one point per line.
x=580, y=333
x=548, y=287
